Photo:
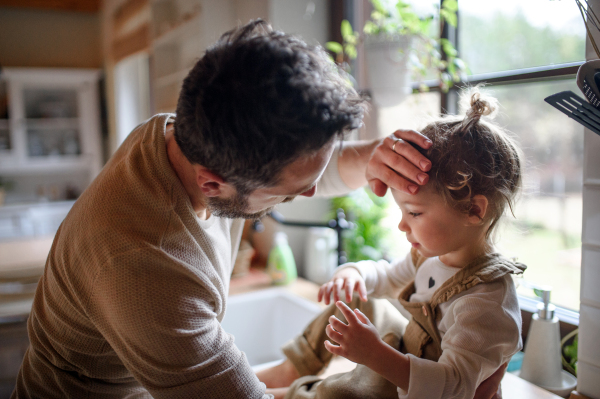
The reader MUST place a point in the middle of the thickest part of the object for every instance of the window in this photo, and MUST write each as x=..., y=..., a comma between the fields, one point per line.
x=524, y=51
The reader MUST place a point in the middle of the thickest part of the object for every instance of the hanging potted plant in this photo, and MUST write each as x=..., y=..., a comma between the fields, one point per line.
x=399, y=44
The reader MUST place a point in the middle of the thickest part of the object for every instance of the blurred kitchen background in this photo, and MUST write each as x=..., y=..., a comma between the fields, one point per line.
x=78, y=75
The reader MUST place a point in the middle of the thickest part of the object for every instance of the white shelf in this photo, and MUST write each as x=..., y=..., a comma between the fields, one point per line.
x=52, y=123
x=48, y=165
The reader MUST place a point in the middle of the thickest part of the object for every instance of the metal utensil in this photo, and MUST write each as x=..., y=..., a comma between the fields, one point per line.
x=576, y=108
x=588, y=80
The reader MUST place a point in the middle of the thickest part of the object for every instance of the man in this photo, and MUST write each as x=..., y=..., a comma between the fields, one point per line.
x=136, y=283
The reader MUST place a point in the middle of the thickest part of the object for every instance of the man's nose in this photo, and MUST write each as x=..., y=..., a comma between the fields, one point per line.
x=310, y=193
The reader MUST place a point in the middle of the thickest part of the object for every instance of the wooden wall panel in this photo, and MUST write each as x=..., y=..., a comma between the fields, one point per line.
x=92, y=6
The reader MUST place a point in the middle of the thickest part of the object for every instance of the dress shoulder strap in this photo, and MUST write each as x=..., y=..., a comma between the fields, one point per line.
x=417, y=258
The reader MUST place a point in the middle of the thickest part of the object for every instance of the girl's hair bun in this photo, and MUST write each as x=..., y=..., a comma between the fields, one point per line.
x=478, y=104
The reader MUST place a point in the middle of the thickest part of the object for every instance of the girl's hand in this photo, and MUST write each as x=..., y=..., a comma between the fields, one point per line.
x=358, y=340
x=348, y=279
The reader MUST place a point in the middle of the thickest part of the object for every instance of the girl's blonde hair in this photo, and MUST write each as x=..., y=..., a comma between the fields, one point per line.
x=472, y=156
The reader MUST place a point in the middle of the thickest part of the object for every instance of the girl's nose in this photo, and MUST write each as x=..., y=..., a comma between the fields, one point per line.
x=403, y=226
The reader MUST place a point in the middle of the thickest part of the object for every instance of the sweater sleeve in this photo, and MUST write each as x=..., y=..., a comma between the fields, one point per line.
x=385, y=279
x=482, y=335
x=161, y=321
x=331, y=183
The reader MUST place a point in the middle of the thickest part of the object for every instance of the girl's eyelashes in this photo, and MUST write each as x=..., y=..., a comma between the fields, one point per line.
x=415, y=214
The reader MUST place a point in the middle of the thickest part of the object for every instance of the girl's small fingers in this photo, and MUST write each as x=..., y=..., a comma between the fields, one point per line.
x=337, y=324
x=347, y=312
x=328, y=292
x=349, y=288
x=361, y=288
x=334, y=335
x=339, y=283
x=321, y=293
x=361, y=316
x=335, y=349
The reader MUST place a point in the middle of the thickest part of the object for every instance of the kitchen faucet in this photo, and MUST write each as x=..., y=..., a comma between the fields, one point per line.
x=339, y=224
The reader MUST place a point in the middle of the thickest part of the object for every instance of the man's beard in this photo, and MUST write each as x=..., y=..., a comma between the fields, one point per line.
x=236, y=207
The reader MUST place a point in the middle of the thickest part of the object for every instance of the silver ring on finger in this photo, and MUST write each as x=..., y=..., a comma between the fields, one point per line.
x=396, y=141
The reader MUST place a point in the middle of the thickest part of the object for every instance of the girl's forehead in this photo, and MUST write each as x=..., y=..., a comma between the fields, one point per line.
x=424, y=194
x=427, y=195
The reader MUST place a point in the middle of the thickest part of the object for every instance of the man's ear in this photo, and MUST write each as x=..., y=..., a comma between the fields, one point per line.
x=479, y=205
x=210, y=184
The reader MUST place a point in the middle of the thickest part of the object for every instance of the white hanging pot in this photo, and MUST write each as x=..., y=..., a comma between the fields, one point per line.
x=388, y=68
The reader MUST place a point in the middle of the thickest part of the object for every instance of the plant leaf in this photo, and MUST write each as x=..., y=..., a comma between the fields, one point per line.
x=334, y=47
x=346, y=29
x=350, y=51
x=450, y=5
x=449, y=16
x=377, y=5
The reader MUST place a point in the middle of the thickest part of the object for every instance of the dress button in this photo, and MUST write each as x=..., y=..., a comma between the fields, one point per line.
x=424, y=310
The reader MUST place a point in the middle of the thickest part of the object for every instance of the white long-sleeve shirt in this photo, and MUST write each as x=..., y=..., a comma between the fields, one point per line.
x=480, y=327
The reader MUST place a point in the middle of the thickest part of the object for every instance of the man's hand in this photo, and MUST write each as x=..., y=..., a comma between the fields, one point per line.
x=349, y=280
x=396, y=164
x=358, y=340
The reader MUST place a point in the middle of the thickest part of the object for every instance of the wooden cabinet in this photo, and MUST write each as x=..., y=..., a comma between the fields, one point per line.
x=49, y=124
x=181, y=31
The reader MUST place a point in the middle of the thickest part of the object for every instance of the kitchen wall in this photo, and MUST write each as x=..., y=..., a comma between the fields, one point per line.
x=588, y=367
x=49, y=38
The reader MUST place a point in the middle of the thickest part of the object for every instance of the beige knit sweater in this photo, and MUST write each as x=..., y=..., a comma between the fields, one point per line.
x=134, y=290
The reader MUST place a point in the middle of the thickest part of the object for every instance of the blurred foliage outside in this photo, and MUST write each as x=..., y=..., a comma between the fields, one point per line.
x=546, y=233
x=366, y=210
x=506, y=41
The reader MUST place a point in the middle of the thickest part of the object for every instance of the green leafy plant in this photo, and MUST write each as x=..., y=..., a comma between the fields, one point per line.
x=398, y=18
x=569, y=358
x=366, y=210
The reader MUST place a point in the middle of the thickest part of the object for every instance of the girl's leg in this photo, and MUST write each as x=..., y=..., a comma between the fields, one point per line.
x=279, y=376
x=308, y=355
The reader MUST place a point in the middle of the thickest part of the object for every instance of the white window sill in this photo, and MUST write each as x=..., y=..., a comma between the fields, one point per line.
x=564, y=315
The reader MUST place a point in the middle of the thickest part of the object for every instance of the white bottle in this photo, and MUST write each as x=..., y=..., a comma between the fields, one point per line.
x=542, y=363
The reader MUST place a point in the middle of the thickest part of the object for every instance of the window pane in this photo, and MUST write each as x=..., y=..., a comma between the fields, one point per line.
x=413, y=113
x=410, y=114
x=514, y=34
x=546, y=234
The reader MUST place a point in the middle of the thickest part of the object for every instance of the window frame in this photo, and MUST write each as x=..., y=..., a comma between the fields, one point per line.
x=449, y=105
x=357, y=11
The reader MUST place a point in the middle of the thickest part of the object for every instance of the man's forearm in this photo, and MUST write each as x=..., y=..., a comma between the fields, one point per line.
x=353, y=159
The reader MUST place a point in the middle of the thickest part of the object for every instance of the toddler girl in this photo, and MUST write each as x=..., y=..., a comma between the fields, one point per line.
x=466, y=321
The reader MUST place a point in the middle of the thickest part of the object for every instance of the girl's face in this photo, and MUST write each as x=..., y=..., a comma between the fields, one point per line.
x=434, y=228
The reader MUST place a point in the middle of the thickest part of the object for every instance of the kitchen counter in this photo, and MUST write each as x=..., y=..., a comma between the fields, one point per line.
x=513, y=387
x=24, y=256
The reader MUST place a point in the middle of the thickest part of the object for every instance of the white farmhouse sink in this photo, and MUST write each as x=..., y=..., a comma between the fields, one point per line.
x=263, y=321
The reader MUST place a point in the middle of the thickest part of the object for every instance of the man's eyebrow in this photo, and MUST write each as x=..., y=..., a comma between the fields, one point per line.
x=305, y=189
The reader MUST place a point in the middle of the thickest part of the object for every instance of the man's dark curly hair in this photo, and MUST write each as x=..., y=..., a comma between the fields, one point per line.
x=258, y=100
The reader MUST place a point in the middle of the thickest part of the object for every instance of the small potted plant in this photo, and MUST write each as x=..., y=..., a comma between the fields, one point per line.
x=398, y=44
x=4, y=187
